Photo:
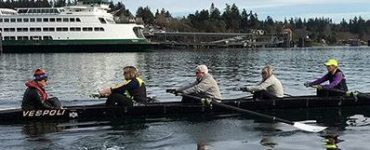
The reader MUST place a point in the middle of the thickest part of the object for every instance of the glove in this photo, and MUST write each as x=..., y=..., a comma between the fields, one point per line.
x=306, y=84
x=319, y=87
x=95, y=95
x=105, y=91
x=244, y=89
x=171, y=91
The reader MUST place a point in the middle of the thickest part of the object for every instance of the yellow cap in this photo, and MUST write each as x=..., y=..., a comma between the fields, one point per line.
x=331, y=62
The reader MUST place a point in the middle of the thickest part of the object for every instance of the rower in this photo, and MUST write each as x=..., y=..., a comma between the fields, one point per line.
x=132, y=89
x=205, y=86
x=337, y=82
x=270, y=87
x=35, y=96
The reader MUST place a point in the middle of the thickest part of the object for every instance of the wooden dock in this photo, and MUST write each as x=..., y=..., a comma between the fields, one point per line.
x=214, y=40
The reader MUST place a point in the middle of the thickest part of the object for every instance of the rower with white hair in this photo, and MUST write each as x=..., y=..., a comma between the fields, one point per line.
x=269, y=87
x=205, y=86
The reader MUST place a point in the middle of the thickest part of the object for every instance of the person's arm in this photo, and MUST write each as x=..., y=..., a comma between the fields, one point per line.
x=34, y=96
x=262, y=86
x=187, y=86
x=320, y=80
x=338, y=77
x=129, y=86
x=201, y=87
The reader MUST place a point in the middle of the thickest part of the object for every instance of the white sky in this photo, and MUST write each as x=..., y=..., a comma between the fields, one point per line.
x=277, y=9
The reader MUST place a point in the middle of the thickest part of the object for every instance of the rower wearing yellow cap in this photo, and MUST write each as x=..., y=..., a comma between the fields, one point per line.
x=337, y=81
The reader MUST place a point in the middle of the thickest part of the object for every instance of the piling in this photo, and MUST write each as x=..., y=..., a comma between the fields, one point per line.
x=1, y=44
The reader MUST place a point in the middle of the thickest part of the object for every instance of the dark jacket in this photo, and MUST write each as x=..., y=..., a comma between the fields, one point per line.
x=336, y=81
x=32, y=100
x=134, y=89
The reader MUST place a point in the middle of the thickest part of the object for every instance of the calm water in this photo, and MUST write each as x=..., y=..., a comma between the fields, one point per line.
x=74, y=76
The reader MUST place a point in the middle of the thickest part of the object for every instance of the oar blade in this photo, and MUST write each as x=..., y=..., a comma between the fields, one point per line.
x=308, y=128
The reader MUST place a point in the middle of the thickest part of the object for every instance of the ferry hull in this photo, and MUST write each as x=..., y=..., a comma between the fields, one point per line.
x=74, y=46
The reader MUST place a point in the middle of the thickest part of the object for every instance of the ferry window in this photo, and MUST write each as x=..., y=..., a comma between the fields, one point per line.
x=25, y=29
x=19, y=30
x=9, y=37
x=59, y=29
x=6, y=20
x=39, y=19
x=72, y=29
x=98, y=29
x=22, y=38
x=52, y=19
x=1, y=19
x=25, y=19
x=32, y=29
x=35, y=37
x=139, y=32
x=12, y=29
x=32, y=19
x=1, y=29
x=78, y=20
x=12, y=20
x=22, y=11
x=38, y=29
x=51, y=29
x=102, y=21
x=59, y=19
x=65, y=19
x=78, y=29
x=110, y=21
x=71, y=19
x=47, y=38
x=45, y=20
x=19, y=19
x=45, y=29
x=32, y=11
x=38, y=11
x=44, y=11
x=87, y=29
x=64, y=29
x=6, y=29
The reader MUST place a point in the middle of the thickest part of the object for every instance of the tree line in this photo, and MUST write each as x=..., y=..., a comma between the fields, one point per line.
x=231, y=19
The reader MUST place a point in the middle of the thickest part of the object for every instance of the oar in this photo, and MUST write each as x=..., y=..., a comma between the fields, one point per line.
x=298, y=125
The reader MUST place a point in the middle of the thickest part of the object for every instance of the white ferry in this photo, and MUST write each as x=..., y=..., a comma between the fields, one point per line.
x=85, y=27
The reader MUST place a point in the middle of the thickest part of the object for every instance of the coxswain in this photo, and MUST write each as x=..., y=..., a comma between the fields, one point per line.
x=131, y=90
x=35, y=96
x=337, y=81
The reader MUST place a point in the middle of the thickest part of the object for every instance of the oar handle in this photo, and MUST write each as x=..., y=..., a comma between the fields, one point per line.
x=97, y=95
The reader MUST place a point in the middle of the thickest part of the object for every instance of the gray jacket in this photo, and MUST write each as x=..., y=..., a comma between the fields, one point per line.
x=271, y=85
x=207, y=87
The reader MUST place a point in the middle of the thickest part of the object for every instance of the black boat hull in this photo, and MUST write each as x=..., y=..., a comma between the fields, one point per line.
x=100, y=112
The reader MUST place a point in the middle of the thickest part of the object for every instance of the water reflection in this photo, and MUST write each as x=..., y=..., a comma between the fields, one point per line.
x=36, y=129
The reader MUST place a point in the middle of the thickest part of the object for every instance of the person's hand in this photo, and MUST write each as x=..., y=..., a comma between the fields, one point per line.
x=171, y=91
x=245, y=89
x=306, y=84
x=319, y=87
x=105, y=91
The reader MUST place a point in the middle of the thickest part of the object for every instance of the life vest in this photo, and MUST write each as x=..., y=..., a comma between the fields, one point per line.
x=41, y=91
x=138, y=94
x=342, y=84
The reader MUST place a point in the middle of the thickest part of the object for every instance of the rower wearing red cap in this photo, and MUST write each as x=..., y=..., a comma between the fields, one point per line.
x=35, y=96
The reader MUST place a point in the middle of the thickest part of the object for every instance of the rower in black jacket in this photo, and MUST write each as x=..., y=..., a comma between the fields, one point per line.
x=35, y=96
